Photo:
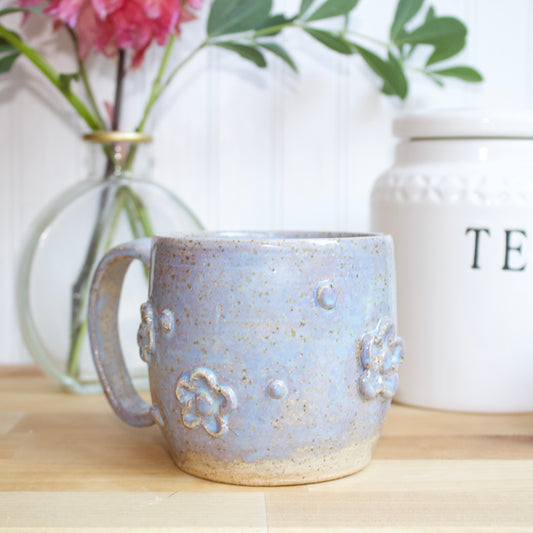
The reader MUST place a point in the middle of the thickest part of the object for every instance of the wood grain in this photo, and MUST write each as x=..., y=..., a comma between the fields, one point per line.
x=68, y=464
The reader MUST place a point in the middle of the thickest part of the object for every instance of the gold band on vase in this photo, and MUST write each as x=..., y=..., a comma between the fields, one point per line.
x=109, y=137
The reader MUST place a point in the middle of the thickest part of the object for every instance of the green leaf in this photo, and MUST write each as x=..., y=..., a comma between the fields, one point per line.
x=390, y=71
x=234, y=16
x=65, y=79
x=6, y=61
x=387, y=90
x=251, y=53
x=304, y=6
x=329, y=39
x=6, y=46
x=279, y=51
x=272, y=22
x=445, y=52
x=405, y=11
x=332, y=8
x=446, y=34
x=397, y=81
x=435, y=29
x=10, y=10
x=463, y=73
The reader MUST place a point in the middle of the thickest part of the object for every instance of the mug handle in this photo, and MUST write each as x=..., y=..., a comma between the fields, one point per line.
x=103, y=331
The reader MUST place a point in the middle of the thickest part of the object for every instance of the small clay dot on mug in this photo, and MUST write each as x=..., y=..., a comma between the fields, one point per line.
x=326, y=295
x=277, y=389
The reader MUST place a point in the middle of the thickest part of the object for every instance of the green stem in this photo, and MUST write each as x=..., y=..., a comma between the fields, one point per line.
x=157, y=82
x=42, y=64
x=109, y=228
x=140, y=225
x=85, y=78
x=80, y=290
x=367, y=38
x=104, y=217
x=136, y=213
x=75, y=350
x=159, y=86
x=181, y=65
x=90, y=95
x=429, y=74
x=114, y=221
x=133, y=222
x=346, y=23
x=267, y=32
x=130, y=158
x=263, y=32
x=141, y=213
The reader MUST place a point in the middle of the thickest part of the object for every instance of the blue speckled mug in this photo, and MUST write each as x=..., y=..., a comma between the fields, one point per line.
x=272, y=357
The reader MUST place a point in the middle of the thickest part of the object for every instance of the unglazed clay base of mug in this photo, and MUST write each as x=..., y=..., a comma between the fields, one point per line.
x=306, y=466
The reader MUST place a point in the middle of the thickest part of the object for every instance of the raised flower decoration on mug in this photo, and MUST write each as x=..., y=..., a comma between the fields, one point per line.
x=204, y=402
x=146, y=333
x=381, y=355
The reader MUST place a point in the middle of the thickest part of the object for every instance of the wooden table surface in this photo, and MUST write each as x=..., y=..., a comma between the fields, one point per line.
x=68, y=464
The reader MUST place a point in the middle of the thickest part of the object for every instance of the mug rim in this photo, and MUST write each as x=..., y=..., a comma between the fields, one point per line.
x=274, y=236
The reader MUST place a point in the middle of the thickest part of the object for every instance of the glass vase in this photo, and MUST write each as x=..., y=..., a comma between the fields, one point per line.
x=115, y=204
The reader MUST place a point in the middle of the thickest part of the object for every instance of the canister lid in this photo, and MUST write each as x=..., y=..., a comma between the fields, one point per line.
x=464, y=123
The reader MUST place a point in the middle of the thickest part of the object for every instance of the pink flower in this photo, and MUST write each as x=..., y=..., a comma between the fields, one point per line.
x=111, y=25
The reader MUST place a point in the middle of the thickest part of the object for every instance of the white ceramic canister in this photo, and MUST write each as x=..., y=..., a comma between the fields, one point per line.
x=458, y=202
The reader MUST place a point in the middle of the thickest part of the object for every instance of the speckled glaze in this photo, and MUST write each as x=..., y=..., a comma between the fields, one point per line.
x=272, y=357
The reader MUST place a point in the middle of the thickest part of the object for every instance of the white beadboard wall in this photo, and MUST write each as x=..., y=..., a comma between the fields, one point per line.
x=247, y=148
